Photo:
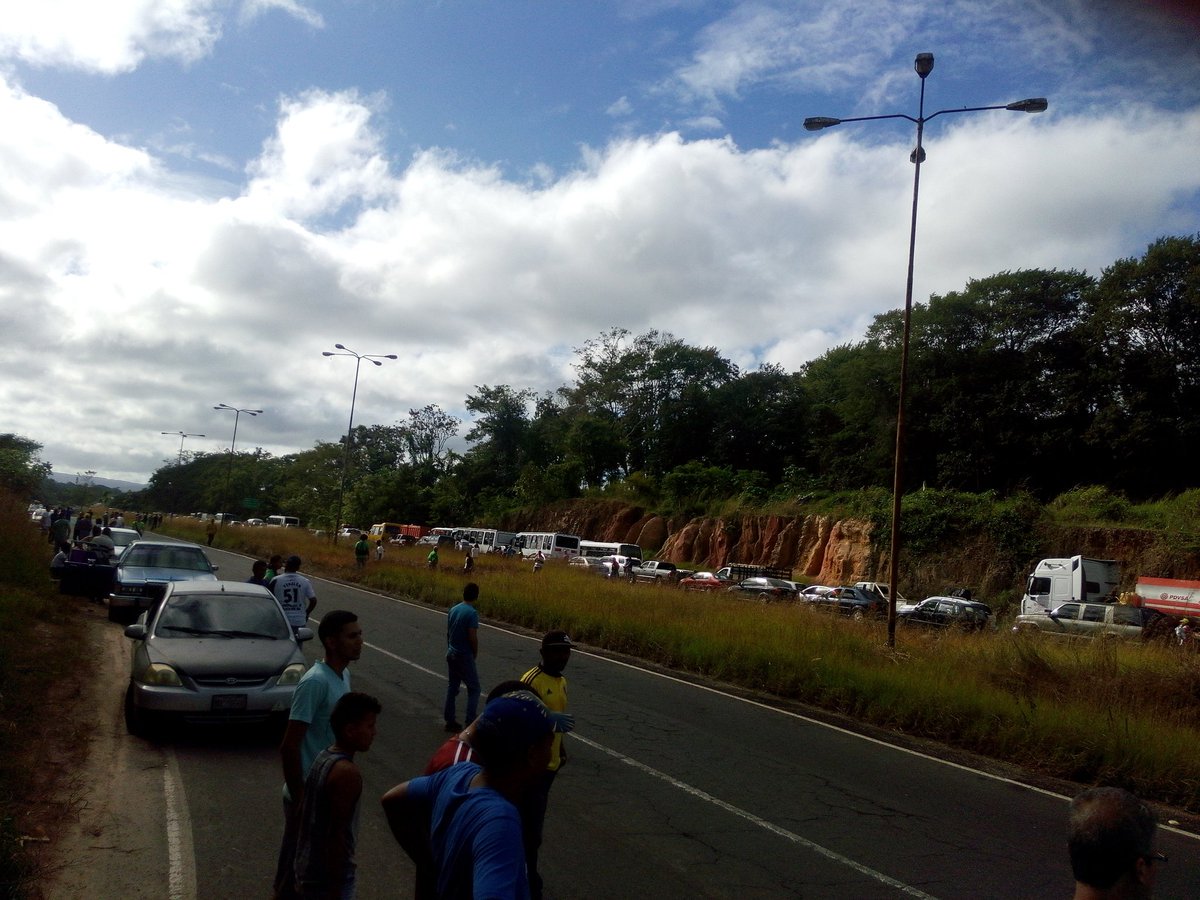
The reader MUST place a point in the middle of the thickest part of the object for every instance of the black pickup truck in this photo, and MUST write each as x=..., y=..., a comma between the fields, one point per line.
x=739, y=572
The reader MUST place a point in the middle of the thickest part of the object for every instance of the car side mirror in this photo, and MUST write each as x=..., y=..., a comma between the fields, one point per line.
x=136, y=632
x=216, y=568
x=304, y=633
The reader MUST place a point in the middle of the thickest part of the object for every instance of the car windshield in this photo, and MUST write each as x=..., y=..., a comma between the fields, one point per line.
x=158, y=557
x=222, y=615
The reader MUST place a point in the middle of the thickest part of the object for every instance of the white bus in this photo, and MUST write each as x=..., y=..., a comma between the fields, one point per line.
x=551, y=543
x=488, y=540
x=609, y=548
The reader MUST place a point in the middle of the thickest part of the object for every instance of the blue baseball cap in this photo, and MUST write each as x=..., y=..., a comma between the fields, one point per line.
x=517, y=718
x=564, y=723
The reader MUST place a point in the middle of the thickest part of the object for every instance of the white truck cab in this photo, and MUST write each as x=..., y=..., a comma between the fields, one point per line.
x=1070, y=579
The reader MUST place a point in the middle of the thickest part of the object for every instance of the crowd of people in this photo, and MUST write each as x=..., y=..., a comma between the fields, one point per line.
x=472, y=821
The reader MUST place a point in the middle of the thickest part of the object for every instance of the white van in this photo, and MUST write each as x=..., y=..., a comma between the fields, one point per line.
x=283, y=521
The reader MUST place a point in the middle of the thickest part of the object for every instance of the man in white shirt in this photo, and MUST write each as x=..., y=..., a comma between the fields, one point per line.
x=294, y=592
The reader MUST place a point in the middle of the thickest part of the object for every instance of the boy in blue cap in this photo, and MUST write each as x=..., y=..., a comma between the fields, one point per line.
x=474, y=828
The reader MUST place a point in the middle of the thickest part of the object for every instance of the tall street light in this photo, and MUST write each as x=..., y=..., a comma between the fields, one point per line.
x=923, y=66
x=358, y=358
x=183, y=436
x=237, y=414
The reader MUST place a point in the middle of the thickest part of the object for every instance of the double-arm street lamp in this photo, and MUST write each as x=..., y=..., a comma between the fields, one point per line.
x=237, y=414
x=923, y=66
x=377, y=359
x=183, y=436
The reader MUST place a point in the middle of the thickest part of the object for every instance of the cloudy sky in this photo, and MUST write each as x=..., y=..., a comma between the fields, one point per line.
x=198, y=197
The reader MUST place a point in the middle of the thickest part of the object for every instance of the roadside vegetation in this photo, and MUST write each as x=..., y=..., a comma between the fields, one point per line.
x=40, y=643
x=1090, y=711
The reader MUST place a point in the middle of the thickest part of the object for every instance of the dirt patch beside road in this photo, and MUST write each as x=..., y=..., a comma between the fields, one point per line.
x=95, y=804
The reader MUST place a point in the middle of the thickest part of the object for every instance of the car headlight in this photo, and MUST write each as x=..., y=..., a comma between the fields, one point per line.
x=291, y=675
x=160, y=674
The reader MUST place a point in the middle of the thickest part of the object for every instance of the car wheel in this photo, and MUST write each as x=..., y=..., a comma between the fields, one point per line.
x=857, y=614
x=138, y=722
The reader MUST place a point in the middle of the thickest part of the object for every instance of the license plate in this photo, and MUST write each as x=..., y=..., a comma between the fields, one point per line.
x=229, y=701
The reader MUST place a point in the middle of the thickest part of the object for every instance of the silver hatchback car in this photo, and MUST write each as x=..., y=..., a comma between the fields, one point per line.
x=213, y=652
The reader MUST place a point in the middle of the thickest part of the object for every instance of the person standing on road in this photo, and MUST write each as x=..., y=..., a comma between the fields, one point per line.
x=462, y=648
x=274, y=564
x=309, y=730
x=550, y=685
x=211, y=530
x=1110, y=839
x=362, y=551
x=258, y=573
x=60, y=533
x=328, y=814
x=294, y=592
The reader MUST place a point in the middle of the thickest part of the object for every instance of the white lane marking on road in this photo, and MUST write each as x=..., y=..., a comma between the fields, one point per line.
x=709, y=798
x=181, y=854
x=755, y=820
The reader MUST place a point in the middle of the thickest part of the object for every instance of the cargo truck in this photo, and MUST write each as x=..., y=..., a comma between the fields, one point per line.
x=1071, y=579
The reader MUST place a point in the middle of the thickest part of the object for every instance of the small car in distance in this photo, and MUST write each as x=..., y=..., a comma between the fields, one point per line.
x=851, y=601
x=766, y=589
x=703, y=581
x=946, y=612
x=814, y=591
x=212, y=652
x=147, y=568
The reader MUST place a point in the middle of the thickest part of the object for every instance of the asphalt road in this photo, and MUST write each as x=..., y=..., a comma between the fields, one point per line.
x=673, y=790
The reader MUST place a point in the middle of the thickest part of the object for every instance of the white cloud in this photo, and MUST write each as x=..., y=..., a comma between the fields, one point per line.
x=619, y=108
x=183, y=298
x=251, y=9
x=108, y=37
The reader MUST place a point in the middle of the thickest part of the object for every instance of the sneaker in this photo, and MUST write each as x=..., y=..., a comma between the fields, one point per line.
x=454, y=727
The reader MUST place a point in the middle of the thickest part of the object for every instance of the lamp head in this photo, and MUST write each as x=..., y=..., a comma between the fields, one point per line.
x=327, y=353
x=391, y=356
x=816, y=123
x=1032, y=105
x=923, y=64
x=377, y=362
x=338, y=347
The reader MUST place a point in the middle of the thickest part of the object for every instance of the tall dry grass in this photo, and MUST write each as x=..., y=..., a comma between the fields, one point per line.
x=1091, y=711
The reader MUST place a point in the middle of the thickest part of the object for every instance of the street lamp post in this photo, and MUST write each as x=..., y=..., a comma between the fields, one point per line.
x=377, y=359
x=183, y=436
x=237, y=414
x=923, y=66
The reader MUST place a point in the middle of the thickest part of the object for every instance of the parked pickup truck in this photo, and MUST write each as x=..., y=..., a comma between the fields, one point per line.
x=1090, y=620
x=656, y=571
x=739, y=572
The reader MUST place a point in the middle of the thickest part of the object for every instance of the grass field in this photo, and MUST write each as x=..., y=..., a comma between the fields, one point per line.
x=1110, y=712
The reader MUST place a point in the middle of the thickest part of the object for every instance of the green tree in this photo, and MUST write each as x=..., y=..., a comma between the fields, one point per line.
x=21, y=471
x=1144, y=329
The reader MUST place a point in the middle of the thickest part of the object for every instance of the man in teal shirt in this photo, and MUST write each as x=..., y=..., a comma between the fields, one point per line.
x=462, y=627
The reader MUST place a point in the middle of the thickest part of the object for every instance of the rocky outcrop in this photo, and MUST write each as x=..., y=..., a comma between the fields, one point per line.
x=813, y=547
x=816, y=548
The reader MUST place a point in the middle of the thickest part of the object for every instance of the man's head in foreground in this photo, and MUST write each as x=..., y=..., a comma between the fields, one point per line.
x=1110, y=837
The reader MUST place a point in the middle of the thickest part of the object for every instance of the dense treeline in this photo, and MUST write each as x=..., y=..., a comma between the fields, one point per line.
x=1033, y=381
